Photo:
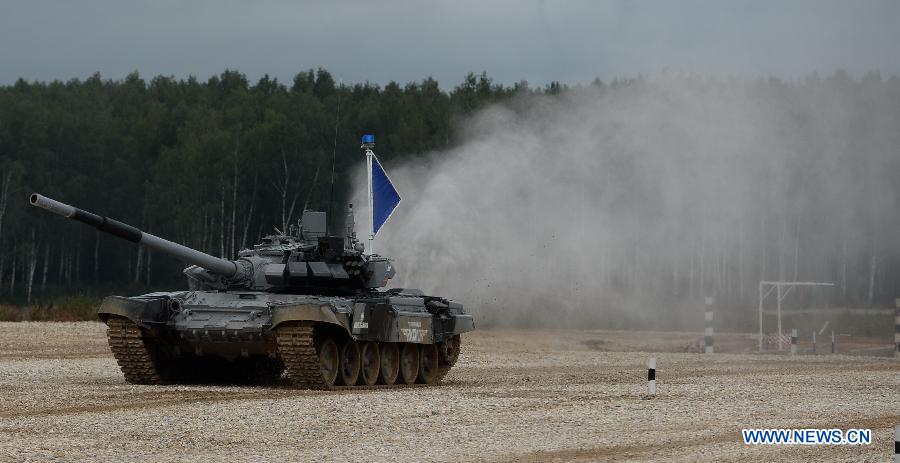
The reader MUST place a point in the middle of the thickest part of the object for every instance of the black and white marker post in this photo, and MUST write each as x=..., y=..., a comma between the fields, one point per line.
x=651, y=376
x=897, y=329
x=708, y=326
x=794, y=341
x=896, y=444
x=814, y=341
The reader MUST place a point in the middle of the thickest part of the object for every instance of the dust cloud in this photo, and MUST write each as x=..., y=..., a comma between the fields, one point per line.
x=625, y=205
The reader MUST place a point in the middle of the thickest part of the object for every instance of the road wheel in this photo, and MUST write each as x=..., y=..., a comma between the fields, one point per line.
x=409, y=363
x=370, y=363
x=390, y=363
x=428, y=364
x=349, y=363
x=329, y=361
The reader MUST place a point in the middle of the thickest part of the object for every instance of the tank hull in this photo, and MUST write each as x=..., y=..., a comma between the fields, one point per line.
x=241, y=330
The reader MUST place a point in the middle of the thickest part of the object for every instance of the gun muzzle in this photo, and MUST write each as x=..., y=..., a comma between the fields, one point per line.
x=104, y=224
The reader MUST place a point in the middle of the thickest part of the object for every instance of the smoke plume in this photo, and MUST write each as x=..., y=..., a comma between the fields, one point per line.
x=626, y=205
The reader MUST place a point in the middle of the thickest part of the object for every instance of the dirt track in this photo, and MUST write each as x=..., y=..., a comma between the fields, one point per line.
x=514, y=396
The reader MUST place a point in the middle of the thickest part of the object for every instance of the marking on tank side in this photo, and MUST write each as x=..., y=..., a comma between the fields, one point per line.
x=361, y=324
x=414, y=334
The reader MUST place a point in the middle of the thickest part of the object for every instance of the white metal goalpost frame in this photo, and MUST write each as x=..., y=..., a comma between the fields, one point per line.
x=780, y=295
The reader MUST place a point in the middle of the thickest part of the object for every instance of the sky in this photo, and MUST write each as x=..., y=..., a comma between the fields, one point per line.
x=393, y=40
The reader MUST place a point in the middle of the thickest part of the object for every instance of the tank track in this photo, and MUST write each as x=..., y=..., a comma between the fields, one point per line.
x=448, y=358
x=132, y=352
x=297, y=349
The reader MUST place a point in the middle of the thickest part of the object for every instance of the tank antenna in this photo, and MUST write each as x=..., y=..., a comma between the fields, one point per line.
x=337, y=119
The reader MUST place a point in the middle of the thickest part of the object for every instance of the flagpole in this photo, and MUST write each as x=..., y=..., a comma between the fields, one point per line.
x=368, y=144
x=369, y=156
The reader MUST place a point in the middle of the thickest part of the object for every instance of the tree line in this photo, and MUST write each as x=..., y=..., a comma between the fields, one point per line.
x=213, y=165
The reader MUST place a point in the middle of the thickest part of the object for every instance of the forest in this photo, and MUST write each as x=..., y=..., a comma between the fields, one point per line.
x=213, y=165
x=217, y=164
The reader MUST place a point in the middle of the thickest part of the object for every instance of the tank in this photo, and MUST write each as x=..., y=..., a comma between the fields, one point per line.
x=302, y=305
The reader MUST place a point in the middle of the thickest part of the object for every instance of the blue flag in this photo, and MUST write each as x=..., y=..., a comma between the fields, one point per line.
x=384, y=196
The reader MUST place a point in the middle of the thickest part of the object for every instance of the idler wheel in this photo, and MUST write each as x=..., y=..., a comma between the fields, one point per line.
x=329, y=361
x=409, y=363
x=428, y=364
x=450, y=350
x=349, y=363
x=370, y=363
x=390, y=363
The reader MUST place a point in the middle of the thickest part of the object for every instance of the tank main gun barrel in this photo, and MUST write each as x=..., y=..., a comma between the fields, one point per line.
x=226, y=268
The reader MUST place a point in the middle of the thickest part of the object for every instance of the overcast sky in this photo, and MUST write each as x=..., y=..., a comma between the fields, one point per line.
x=380, y=41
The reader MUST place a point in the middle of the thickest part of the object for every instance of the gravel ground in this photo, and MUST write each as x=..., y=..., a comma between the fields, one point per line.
x=514, y=396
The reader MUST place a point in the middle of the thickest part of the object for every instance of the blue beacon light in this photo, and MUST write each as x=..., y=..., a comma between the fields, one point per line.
x=368, y=139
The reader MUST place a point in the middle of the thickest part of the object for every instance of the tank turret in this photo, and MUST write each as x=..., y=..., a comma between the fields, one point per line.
x=304, y=261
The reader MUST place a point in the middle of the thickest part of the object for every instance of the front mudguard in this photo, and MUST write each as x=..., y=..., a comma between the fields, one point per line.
x=463, y=323
x=319, y=313
x=147, y=313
